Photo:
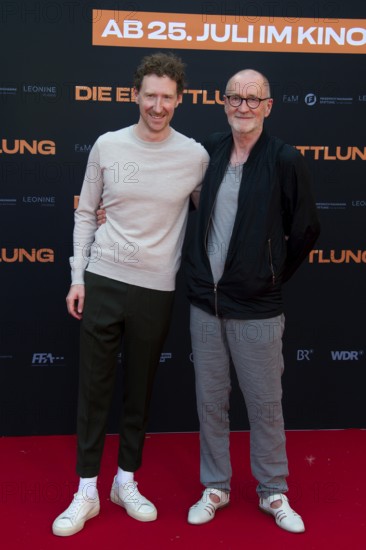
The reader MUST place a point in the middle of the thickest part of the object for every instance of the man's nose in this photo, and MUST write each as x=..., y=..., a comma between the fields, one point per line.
x=158, y=104
x=243, y=107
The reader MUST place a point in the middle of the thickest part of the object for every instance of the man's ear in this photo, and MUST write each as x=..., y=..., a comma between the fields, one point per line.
x=269, y=107
x=136, y=94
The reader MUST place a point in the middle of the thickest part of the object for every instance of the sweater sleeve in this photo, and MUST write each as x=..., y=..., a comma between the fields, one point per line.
x=300, y=217
x=85, y=218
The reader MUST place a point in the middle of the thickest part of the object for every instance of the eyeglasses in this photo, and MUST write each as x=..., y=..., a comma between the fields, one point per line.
x=252, y=102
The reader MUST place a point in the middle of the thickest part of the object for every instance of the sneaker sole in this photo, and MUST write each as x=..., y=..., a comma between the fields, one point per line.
x=59, y=532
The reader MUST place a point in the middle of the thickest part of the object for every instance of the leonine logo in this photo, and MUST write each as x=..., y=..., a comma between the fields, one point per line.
x=337, y=257
x=20, y=255
x=22, y=147
x=43, y=89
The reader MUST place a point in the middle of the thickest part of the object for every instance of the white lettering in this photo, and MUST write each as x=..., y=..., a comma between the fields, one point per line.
x=352, y=41
x=216, y=38
x=338, y=38
x=133, y=29
x=244, y=39
x=272, y=33
x=262, y=34
x=112, y=28
x=206, y=32
x=306, y=35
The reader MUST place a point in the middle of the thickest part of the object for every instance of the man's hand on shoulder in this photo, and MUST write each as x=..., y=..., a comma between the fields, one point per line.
x=101, y=215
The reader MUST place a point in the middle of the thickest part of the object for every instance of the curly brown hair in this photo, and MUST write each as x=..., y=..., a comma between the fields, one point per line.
x=161, y=64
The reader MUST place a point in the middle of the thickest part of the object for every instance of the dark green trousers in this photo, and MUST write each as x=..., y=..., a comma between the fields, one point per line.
x=115, y=311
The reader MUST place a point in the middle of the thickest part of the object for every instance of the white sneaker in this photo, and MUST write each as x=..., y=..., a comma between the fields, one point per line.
x=72, y=520
x=285, y=516
x=136, y=505
x=204, y=510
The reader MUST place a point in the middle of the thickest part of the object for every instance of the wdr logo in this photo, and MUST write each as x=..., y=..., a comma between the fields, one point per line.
x=346, y=355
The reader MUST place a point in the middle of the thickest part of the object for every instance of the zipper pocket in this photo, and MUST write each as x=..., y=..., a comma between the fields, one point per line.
x=215, y=293
x=271, y=262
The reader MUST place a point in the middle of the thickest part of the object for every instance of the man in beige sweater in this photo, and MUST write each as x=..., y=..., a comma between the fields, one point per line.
x=123, y=279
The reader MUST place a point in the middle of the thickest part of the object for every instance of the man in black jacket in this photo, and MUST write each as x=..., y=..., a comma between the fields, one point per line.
x=256, y=223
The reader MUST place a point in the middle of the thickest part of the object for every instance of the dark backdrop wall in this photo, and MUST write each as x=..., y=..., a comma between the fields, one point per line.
x=59, y=92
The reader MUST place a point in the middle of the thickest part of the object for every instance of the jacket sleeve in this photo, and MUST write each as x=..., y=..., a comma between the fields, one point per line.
x=300, y=219
x=214, y=140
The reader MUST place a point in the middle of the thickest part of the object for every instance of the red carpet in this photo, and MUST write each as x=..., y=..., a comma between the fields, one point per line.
x=327, y=487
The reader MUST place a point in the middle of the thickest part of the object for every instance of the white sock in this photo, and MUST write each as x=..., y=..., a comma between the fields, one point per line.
x=123, y=477
x=88, y=487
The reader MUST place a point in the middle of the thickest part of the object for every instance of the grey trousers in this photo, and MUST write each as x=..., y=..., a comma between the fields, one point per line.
x=255, y=348
x=114, y=311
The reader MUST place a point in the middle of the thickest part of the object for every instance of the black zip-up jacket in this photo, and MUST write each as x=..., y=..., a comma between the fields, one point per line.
x=275, y=228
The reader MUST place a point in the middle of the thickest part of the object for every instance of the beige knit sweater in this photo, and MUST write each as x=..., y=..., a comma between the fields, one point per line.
x=145, y=187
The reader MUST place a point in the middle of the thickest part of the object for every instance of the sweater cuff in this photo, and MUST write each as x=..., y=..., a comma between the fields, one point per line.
x=78, y=267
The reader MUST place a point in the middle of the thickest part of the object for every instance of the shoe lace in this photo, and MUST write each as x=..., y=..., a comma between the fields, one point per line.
x=74, y=507
x=132, y=493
